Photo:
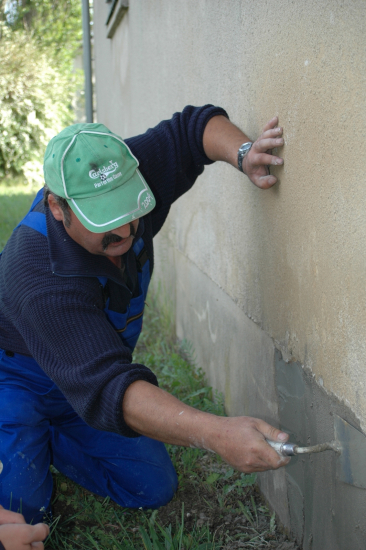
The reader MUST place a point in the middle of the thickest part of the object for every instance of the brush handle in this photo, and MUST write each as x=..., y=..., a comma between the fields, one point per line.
x=283, y=449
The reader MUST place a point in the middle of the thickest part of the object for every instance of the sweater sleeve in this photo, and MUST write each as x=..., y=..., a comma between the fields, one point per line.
x=71, y=339
x=171, y=156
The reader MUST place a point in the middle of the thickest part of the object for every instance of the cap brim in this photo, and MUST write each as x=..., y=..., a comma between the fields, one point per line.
x=131, y=200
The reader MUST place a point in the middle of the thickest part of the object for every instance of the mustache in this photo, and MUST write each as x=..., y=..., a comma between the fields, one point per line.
x=112, y=238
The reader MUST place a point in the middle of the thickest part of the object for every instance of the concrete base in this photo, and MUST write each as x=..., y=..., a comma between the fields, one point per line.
x=325, y=513
x=241, y=361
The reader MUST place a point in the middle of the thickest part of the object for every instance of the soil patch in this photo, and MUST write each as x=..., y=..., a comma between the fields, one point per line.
x=240, y=520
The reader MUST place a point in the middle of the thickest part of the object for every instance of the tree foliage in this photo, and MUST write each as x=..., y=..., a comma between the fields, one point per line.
x=38, y=43
x=34, y=102
x=55, y=26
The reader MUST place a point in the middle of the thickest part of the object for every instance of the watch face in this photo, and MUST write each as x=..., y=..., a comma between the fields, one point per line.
x=246, y=148
x=242, y=152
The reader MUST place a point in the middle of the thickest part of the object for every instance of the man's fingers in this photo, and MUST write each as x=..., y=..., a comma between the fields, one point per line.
x=39, y=532
x=271, y=124
x=264, y=159
x=260, y=156
x=270, y=458
x=15, y=536
x=273, y=133
x=269, y=432
x=6, y=516
x=275, y=460
x=273, y=434
x=262, y=145
x=265, y=182
x=263, y=456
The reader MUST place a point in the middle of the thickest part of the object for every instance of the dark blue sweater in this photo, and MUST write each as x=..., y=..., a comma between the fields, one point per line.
x=51, y=302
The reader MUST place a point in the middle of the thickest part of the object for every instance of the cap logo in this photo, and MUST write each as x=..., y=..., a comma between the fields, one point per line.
x=103, y=173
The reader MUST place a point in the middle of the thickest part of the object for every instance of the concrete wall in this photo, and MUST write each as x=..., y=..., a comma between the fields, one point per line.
x=268, y=285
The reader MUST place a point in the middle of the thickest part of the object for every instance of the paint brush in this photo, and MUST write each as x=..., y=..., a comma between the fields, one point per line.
x=349, y=445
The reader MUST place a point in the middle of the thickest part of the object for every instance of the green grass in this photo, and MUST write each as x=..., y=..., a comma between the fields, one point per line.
x=15, y=201
x=214, y=507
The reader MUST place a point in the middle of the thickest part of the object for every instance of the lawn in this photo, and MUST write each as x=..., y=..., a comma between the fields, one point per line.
x=214, y=507
x=15, y=201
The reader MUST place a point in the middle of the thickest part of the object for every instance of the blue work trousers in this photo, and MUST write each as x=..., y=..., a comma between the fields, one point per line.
x=38, y=427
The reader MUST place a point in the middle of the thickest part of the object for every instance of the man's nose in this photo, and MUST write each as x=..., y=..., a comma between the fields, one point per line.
x=123, y=231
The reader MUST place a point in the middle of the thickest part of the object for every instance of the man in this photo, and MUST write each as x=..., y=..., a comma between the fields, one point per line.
x=73, y=281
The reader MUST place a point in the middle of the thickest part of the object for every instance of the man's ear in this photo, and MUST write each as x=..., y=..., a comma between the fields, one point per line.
x=55, y=208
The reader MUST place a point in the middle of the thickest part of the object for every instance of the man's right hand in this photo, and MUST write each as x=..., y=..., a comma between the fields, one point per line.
x=15, y=534
x=242, y=444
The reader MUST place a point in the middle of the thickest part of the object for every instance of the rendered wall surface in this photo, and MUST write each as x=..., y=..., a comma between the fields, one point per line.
x=252, y=273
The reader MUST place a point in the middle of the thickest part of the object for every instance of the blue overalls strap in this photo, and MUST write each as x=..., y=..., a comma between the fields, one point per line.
x=37, y=199
x=138, y=246
x=103, y=281
x=128, y=325
x=35, y=220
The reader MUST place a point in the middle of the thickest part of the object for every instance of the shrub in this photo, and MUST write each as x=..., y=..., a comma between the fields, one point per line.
x=35, y=101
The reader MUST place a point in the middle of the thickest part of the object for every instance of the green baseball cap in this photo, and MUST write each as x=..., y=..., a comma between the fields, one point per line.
x=95, y=171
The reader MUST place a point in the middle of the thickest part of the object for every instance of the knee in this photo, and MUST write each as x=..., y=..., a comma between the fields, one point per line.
x=148, y=489
x=155, y=476
x=162, y=491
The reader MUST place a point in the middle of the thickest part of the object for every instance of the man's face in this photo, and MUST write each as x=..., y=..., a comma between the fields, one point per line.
x=112, y=243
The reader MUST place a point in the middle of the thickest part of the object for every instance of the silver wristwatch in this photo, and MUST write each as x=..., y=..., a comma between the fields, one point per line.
x=243, y=150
